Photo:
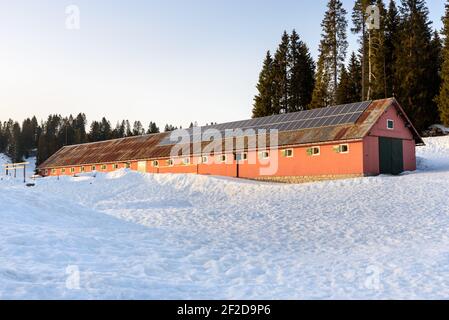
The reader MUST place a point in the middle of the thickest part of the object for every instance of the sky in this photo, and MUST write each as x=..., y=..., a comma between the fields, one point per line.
x=166, y=61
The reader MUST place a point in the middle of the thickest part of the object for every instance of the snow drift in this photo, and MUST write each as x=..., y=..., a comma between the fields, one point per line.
x=130, y=235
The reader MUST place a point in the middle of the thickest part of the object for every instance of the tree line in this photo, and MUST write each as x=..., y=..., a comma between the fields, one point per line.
x=31, y=138
x=401, y=57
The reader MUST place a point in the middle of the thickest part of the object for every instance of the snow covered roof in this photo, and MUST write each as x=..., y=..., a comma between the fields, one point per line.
x=155, y=146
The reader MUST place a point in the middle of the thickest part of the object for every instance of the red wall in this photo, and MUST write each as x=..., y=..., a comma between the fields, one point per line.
x=400, y=131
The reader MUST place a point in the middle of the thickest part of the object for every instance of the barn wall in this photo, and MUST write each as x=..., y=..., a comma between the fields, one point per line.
x=371, y=155
x=328, y=162
x=400, y=131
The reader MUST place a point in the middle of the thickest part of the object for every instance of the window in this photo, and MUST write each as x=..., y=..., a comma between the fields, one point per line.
x=186, y=161
x=72, y=170
x=115, y=166
x=242, y=156
x=170, y=162
x=287, y=153
x=313, y=151
x=103, y=167
x=343, y=148
x=264, y=155
x=155, y=163
x=204, y=159
x=390, y=124
x=94, y=168
x=53, y=171
x=127, y=165
x=63, y=170
x=83, y=169
x=46, y=172
x=223, y=158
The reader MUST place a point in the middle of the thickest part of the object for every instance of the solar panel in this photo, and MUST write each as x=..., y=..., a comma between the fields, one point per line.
x=308, y=119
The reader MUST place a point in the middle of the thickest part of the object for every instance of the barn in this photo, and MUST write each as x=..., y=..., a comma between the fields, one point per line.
x=359, y=139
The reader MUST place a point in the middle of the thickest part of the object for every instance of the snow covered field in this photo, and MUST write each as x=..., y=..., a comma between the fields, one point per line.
x=133, y=236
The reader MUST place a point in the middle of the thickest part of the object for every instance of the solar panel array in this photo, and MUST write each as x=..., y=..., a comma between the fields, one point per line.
x=316, y=118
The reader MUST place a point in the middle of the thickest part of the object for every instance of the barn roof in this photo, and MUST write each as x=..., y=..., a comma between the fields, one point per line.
x=339, y=123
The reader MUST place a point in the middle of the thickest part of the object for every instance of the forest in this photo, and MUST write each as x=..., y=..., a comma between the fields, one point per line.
x=402, y=57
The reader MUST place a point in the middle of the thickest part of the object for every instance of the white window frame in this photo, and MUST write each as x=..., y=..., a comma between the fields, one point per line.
x=127, y=165
x=156, y=164
x=83, y=169
x=204, y=159
x=94, y=168
x=243, y=156
x=116, y=166
x=264, y=155
x=286, y=153
x=72, y=170
x=347, y=147
x=104, y=167
x=186, y=161
x=313, y=149
x=388, y=124
x=53, y=171
x=171, y=162
x=63, y=170
x=46, y=172
x=223, y=158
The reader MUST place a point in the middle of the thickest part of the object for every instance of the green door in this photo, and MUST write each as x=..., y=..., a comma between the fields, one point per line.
x=391, y=159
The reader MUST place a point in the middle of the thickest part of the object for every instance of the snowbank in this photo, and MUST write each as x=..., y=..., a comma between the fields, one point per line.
x=132, y=235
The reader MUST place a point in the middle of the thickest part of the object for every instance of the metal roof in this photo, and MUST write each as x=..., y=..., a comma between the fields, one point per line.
x=353, y=125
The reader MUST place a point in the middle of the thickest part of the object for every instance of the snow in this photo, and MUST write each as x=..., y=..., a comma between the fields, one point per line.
x=138, y=236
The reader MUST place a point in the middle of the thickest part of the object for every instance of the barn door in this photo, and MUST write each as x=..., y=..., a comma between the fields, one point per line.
x=142, y=166
x=391, y=158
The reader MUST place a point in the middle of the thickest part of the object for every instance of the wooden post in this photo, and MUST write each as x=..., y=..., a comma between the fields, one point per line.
x=24, y=173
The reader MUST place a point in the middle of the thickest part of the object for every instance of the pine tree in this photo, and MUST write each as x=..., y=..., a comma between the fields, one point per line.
x=301, y=75
x=359, y=18
x=263, y=101
x=153, y=128
x=280, y=76
x=138, y=129
x=392, y=41
x=415, y=58
x=350, y=85
x=443, y=97
x=377, y=86
x=333, y=47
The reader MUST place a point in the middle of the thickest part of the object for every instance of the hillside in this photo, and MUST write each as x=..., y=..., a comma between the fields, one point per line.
x=178, y=236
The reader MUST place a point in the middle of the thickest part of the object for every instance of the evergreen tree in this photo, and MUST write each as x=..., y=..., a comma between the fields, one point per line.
x=333, y=47
x=263, y=101
x=414, y=67
x=392, y=40
x=359, y=18
x=138, y=129
x=377, y=86
x=301, y=80
x=153, y=128
x=169, y=128
x=443, y=97
x=280, y=76
x=350, y=85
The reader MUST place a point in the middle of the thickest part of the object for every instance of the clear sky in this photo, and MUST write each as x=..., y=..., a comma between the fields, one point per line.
x=166, y=61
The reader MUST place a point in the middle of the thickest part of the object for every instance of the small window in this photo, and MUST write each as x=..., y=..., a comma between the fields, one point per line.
x=115, y=166
x=53, y=171
x=390, y=124
x=242, y=156
x=287, y=153
x=223, y=158
x=63, y=170
x=343, y=148
x=186, y=161
x=46, y=172
x=127, y=165
x=72, y=170
x=204, y=159
x=314, y=151
x=94, y=168
x=170, y=162
x=103, y=167
x=155, y=163
x=83, y=169
x=264, y=155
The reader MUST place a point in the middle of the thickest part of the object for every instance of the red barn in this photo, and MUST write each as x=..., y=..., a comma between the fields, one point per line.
x=359, y=139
